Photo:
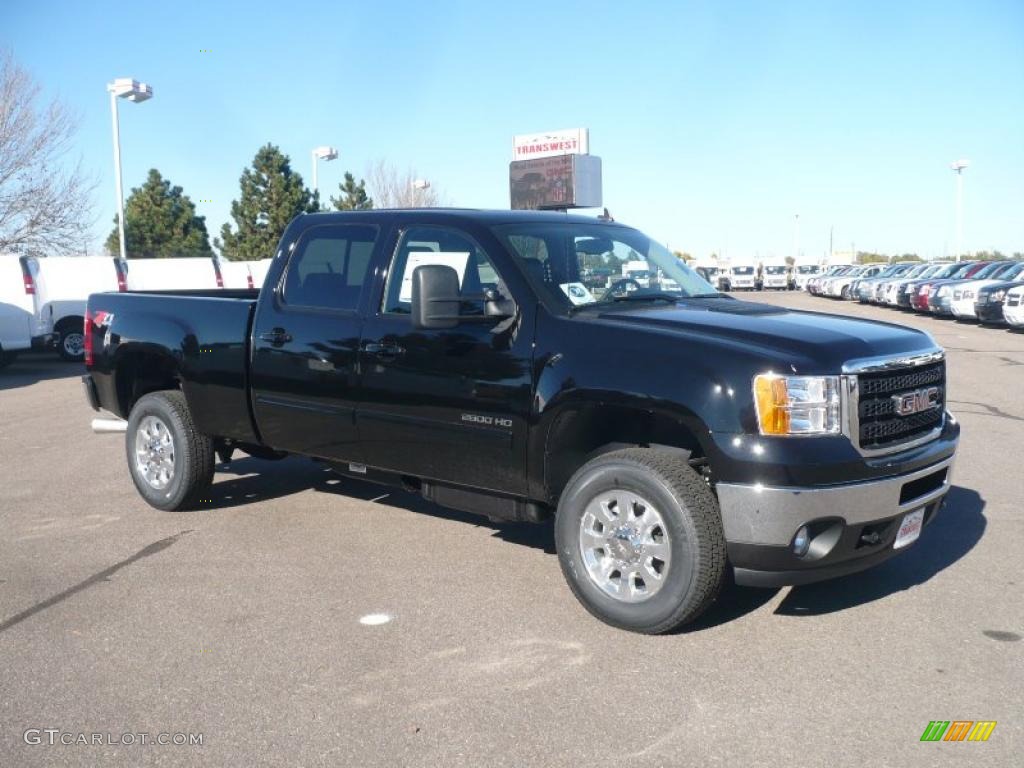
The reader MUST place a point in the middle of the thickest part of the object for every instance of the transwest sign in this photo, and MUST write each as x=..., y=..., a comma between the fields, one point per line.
x=574, y=141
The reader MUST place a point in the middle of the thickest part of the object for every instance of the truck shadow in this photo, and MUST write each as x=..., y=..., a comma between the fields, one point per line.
x=954, y=533
x=247, y=480
x=33, y=367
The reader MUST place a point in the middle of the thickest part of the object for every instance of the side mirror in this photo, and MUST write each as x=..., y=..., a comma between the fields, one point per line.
x=435, y=297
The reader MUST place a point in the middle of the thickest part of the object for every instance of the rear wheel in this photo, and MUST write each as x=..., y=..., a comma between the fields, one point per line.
x=640, y=540
x=71, y=341
x=171, y=464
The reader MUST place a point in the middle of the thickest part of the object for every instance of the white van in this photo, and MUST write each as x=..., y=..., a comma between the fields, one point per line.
x=775, y=275
x=62, y=285
x=234, y=274
x=16, y=307
x=258, y=270
x=742, y=276
x=171, y=274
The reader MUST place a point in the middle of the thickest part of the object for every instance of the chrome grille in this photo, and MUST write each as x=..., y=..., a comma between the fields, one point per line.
x=1012, y=300
x=878, y=423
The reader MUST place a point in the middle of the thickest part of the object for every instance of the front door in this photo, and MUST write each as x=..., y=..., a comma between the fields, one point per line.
x=306, y=344
x=449, y=405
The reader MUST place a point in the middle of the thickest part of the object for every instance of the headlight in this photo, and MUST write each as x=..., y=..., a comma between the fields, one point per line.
x=997, y=296
x=797, y=405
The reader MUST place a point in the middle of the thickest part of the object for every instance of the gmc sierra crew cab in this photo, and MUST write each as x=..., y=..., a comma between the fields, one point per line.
x=674, y=435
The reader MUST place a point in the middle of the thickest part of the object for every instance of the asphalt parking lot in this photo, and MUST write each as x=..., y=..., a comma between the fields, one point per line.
x=241, y=622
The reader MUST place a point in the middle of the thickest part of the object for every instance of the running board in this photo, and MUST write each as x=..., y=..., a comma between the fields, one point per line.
x=109, y=426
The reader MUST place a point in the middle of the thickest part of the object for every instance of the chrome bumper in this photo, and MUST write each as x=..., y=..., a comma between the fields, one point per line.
x=755, y=514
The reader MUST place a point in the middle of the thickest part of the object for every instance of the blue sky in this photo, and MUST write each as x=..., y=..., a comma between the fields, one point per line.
x=716, y=122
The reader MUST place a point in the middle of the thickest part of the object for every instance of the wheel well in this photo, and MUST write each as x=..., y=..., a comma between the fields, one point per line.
x=141, y=372
x=577, y=437
x=72, y=322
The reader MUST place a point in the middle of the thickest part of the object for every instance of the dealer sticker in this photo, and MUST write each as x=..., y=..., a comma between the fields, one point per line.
x=910, y=529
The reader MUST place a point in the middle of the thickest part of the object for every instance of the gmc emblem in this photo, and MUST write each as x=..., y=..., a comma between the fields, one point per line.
x=916, y=402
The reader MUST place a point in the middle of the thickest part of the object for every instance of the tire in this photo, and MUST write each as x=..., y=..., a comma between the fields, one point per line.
x=691, y=536
x=181, y=476
x=6, y=358
x=71, y=342
x=845, y=293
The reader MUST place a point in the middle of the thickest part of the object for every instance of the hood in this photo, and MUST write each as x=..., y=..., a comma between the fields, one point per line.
x=804, y=342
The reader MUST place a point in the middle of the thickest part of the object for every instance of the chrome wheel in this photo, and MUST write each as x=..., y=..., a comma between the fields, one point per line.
x=154, y=453
x=74, y=344
x=625, y=546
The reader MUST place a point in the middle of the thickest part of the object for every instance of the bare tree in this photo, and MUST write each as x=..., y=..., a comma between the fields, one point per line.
x=44, y=207
x=391, y=188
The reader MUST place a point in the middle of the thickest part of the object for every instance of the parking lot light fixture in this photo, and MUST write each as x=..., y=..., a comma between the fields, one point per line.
x=322, y=153
x=132, y=90
x=958, y=167
x=417, y=185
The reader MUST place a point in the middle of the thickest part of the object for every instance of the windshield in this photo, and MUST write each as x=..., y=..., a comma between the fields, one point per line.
x=808, y=269
x=986, y=271
x=775, y=270
x=743, y=270
x=561, y=260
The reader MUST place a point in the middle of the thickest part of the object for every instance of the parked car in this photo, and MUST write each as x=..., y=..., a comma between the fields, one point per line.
x=480, y=374
x=887, y=292
x=842, y=287
x=1013, y=307
x=61, y=286
x=905, y=289
x=965, y=293
x=16, y=310
x=940, y=295
x=815, y=284
x=920, y=290
x=989, y=306
x=171, y=274
x=804, y=272
x=864, y=289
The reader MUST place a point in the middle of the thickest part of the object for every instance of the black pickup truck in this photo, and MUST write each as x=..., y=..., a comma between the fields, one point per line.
x=672, y=431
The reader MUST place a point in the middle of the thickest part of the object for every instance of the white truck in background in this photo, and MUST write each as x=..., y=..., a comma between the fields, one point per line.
x=17, y=315
x=60, y=287
x=775, y=275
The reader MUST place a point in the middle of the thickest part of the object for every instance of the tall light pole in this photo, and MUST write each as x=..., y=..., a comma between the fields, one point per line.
x=417, y=185
x=796, y=237
x=958, y=167
x=322, y=153
x=133, y=90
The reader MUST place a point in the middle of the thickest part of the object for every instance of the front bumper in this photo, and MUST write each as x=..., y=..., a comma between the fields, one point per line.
x=962, y=308
x=989, y=312
x=853, y=525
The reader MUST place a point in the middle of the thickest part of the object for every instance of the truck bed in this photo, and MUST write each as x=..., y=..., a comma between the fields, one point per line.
x=202, y=334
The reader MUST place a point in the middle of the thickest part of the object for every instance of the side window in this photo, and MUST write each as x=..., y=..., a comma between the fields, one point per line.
x=438, y=245
x=329, y=266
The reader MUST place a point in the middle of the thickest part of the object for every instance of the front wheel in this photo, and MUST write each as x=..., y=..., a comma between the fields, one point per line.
x=640, y=540
x=171, y=464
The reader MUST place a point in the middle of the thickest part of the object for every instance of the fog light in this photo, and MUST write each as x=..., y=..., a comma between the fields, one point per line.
x=801, y=542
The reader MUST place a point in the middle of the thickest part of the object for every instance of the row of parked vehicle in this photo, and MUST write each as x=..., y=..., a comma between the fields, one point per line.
x=989, y=292
x=42, y=299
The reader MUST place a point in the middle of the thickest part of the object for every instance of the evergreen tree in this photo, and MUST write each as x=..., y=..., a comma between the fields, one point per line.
x=160, y=222
x=272, y=194
x=353, y=196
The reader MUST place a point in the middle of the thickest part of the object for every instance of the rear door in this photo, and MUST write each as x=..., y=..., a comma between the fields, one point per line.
x=15, y=304
x=306, y=342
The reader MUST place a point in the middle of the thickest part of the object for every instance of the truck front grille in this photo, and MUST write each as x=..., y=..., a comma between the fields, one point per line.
x=880, y=425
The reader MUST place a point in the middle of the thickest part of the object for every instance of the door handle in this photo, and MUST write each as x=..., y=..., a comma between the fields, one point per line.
x=276, y=336
x=383, y=350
